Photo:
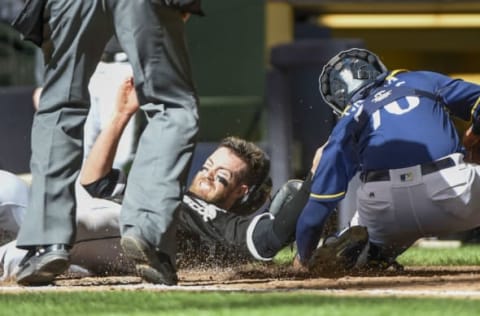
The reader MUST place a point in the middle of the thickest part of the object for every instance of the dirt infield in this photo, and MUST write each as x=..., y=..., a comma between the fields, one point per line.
x=413, y=281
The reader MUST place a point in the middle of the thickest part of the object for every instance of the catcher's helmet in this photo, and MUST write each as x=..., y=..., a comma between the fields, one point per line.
x=347, y=73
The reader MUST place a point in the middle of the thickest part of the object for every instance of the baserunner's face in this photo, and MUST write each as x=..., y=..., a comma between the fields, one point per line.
x=218, y=181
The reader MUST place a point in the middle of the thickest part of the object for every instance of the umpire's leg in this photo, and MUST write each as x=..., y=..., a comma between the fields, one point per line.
x=153, y=37
x=76, y=32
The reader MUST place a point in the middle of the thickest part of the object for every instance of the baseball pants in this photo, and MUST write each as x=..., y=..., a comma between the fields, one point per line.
x=412, y=205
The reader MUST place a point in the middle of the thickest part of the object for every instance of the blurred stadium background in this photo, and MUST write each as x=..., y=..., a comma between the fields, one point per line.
x=256, y=64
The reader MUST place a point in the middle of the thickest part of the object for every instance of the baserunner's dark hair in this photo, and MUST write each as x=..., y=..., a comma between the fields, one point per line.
x=256, y=175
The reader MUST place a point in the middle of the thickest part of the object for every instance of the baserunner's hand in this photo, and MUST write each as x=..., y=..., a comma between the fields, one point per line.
x=127, y=101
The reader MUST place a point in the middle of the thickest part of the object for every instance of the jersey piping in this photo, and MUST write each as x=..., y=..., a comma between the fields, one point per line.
x=326, y=196
x=250, y=244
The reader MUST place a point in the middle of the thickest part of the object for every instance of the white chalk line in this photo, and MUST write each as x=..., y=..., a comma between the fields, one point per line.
x=473, y=294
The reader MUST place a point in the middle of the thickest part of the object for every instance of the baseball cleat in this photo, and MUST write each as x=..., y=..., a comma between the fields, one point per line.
x=42, y=265
x=339, y=254
x=152, y=266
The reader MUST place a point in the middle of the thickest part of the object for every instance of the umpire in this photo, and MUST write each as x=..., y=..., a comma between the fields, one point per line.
x=72, y=35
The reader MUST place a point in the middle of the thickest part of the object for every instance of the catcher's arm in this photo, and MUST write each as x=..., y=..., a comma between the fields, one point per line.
x=316, y=158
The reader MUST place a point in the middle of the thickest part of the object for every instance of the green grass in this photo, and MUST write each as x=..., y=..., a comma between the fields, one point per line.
x=224, y=303
x=301, y=303
x=415, y=256
x=465, y=255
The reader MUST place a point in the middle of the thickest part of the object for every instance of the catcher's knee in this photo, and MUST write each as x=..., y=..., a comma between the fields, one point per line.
x=284, y=195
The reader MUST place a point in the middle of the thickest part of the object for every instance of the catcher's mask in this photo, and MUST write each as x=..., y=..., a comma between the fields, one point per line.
x=347, y=73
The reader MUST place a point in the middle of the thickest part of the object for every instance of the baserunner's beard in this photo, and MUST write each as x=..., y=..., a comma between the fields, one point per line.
x=209, y=195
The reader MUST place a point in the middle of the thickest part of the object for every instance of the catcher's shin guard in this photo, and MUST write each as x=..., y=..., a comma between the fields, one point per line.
x=339, y=254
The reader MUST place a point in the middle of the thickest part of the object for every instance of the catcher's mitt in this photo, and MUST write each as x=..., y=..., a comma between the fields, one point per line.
x=473, y=154
x=471, y=142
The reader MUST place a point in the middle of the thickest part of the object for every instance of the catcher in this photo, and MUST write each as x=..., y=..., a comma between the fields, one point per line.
x=395, y=130
x=218, y=222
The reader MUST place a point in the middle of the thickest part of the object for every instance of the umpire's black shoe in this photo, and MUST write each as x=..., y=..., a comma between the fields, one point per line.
x=43, y=264
x=151, y=265
x=339, y=254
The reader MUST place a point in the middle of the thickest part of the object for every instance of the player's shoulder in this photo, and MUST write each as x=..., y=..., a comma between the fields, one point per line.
x=351, y=110
x=416, y=76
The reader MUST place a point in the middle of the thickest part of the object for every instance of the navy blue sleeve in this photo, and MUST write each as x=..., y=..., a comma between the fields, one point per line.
x=338, y=163
x=310, y=226
x=459, y=96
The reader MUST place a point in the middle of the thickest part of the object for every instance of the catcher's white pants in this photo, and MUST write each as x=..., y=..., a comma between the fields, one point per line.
x=404, y=209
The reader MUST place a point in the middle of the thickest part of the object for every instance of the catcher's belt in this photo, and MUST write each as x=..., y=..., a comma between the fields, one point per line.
x=426, y=168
